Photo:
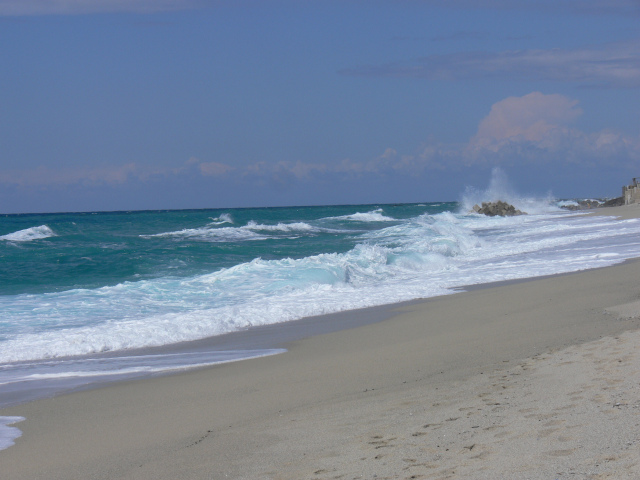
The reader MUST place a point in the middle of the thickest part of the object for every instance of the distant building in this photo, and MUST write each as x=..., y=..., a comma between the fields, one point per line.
x=631, y=193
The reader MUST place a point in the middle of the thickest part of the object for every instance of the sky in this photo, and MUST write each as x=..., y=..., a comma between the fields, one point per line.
x=171, y=104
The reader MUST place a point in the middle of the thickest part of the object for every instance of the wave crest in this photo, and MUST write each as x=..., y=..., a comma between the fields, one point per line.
x=249, y=232
x=29, y=234
x=224, y=218
x=372, y=216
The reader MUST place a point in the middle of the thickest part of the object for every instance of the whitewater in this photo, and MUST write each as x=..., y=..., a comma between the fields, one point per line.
x=79, y=291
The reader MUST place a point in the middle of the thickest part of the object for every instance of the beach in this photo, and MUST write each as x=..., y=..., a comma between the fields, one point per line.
x=538, y=378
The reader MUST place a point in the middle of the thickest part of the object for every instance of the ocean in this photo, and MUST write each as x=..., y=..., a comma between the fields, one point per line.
x=79, y=291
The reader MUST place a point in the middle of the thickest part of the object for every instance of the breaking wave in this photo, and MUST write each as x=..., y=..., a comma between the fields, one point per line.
x=419, y=257
x=224, y=218
x=249, y=232
x=500, y=189
x=373, y=216
x=29, y=234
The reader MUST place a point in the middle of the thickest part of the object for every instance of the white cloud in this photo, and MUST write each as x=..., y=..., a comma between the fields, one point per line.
x=214, y=169
x=75, y=7
x=535, y=128
x=535, y=117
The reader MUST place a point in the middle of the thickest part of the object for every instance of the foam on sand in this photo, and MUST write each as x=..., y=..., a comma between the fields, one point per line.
x=8, y=434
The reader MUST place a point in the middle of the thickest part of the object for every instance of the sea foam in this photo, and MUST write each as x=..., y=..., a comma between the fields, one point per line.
x=252, y=231
x=418, y=257
x=224, y=218
x=8, y=434
x=29, y=234
x=372, y=216
x=212, y=234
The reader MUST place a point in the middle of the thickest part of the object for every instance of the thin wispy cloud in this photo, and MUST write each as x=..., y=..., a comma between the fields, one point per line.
x=611, y=65
x=75, y=7
x=589, y=7
x=79, y=7
x=463, y=35
x=117, y=174
x=45, y=176
x=531, y=129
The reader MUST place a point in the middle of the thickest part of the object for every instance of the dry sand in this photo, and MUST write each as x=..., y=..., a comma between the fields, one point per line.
x=624, y=212
x=537, y=379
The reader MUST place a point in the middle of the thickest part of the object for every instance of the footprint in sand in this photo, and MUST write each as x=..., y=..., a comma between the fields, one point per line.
x=560, y=453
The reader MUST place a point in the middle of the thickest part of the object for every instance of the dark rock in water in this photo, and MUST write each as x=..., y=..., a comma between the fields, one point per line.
x=583, y=205
x=572, y=207
x=614, y=202
x=499, y=208
x=597, y=203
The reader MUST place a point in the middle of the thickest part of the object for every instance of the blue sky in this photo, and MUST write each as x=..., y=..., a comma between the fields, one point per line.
x=141, y=104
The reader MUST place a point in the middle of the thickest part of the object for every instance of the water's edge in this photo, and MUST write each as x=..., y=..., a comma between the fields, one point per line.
x=250, y=343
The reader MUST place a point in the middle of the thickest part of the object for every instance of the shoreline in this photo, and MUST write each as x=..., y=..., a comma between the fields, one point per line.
x=260, y=418
x=242, y=344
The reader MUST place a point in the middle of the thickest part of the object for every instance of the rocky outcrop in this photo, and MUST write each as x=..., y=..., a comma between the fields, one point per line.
x=584, y=205
x=595, y=203
x=614, y=202
x=499, y=208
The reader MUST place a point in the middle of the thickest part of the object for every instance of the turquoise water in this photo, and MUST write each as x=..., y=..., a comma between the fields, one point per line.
x=81, y=292
x=92, y=250
x=88, y=283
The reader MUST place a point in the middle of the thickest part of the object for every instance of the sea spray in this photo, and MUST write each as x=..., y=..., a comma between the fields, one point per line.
x=500, y=189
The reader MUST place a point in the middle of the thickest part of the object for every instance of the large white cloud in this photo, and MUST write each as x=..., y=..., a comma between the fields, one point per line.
x=536, y=127
x=535, y=117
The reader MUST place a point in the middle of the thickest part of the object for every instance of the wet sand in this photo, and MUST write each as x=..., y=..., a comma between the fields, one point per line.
x=537, y=379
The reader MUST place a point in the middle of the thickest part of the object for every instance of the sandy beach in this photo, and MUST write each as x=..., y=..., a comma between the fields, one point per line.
x=535, y=379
